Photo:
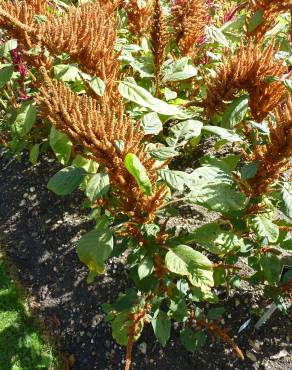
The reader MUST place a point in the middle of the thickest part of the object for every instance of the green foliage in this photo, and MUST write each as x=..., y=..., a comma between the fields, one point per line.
x=21, y=345
x=205, y=162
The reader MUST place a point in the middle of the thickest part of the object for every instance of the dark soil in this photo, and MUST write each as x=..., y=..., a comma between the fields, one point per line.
x=39, y=232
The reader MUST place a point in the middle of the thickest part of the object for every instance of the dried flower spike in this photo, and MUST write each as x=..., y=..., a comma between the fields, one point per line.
x=189, y=18
x=247, y=70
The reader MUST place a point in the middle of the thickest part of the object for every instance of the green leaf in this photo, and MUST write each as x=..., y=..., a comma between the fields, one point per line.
x=7, y=47
x=142, y=97
x=184, y=131
x=98, y=186
x=174, y=179
x=25, y=118
x=215, y=313
x=66, y=72
x=287, y=198
x=216, y=240
x=189, y=71
x=272, y=267
x=228, y=163
x=60, y=145
x=121, y=326
x=223, y=133
x=96, y=246
x=218, y=197
x=208, y=175
x=266, y=228
x=249, y=170
x=235, y=112
x=216, y=35
x=163, y=153
x=97, y=85
x=192, y=340
x=161, y=327
x=6, y=74
x=138, y=171
x=185, y=261
x=66, y=180
x=145, y=267
x=89, y=165
x=34, y=153
x=288, y=84
x=255, y=20
x=169, y=94
x=151, y=124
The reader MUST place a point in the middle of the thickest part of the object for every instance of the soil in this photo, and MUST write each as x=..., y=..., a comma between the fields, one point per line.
x=39, y=231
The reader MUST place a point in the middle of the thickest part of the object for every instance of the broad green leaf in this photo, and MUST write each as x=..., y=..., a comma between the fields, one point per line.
x=66, y=180
x=185, y=261
x=7, y=47
x=121, y=326
x=287, y=198
x=174, y=179
x=218, y=197
x=182, y=132
x=96, y=246
x=161, y=327
x=205, y=175
x=142, y=97
x=138, y=171
x=288, y=84
x=228, y=163
x=216, y=35
x=34, y=153
x=169, y=94
x=223, y=133
x=164, y=153
x=249, y=170
x=66, y=72
x=215, y=313
x=61, y=145
x=97, y=85
x=6, y=74
x=192, y=340
x=98, y=186
x=188, y=72
x=266, y=228
x=216, y=240
x=272, y=267
x=89, y=165
x=235, y=112
x=255, y=20
x=145, y=267
x=25, y=119
x=151, y=124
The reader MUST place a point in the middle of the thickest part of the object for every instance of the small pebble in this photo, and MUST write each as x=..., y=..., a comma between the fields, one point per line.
x=251, y=356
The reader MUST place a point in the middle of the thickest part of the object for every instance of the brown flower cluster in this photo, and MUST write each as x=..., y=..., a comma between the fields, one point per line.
x=138, y=18
x=274, y=157
x=87, y=34
x=18, y=19
x=189, y=18
x=271, y=10
x=248, y=70
x=99, y=128
x=159, y=39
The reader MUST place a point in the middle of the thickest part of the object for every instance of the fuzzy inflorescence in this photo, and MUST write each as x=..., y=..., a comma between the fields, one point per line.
x=248, y=69
x=99, y=128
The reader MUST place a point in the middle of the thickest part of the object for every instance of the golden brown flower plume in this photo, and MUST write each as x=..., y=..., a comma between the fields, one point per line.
x=159, y=39
x=18, y=19
x=138, y=18
x=274, y=157
x=247, y=70
x=189, y=18
x=271, y=10
x=98, y=128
